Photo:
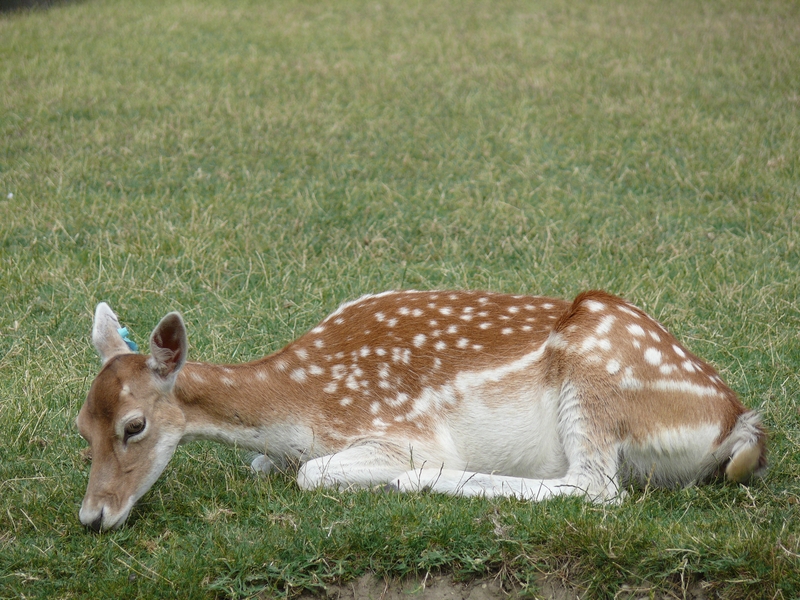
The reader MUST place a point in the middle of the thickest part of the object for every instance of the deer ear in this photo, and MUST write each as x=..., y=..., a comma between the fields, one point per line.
x=168, y=346
x=105, y=334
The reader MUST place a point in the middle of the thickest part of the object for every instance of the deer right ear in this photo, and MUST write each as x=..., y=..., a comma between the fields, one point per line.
x=105, y=334
x=168, y=346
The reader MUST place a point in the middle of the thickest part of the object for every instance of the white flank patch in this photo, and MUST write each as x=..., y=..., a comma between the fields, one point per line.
x=671, y=385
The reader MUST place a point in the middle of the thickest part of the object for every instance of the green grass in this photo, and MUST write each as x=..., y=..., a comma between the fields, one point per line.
x=254, y=164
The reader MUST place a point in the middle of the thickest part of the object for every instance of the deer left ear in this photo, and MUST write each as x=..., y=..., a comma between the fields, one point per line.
x=105, y=334
x=168, y=346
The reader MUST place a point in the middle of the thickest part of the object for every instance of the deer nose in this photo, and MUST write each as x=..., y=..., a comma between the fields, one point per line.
x=97, y=524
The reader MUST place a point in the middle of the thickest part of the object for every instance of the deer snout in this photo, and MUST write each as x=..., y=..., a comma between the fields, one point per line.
x=101, y=518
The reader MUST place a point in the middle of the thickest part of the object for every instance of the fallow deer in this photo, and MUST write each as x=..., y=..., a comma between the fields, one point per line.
x=462, y=392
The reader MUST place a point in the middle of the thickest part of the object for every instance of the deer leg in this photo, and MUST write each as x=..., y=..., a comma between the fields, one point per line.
x=360, y=466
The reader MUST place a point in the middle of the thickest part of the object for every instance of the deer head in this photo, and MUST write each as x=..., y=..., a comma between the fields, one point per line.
x=128, y=419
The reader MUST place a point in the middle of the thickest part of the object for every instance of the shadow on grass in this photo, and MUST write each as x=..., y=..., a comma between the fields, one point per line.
x=7, y=6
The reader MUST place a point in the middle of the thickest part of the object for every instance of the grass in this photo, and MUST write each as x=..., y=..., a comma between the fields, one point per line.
x=255, y=164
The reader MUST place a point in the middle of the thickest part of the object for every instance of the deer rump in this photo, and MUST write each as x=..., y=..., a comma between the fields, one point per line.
x=464, y=393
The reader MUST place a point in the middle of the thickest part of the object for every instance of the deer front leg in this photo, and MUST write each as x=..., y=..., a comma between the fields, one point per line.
x=357, y=467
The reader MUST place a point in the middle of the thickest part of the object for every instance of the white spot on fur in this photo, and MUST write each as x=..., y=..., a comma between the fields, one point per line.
x=605, y=325
x=417, y=312
x=612, y=367
x=365, y=351
x=318, y=343
x=346, y=401
x=593, y=306
x=628, y=311
x=440, y=345
x=446, y=311
x=380, y=316
x=653, y=356
x=301, y=353
x=391, y=322
x=513, y=309
x=338, y=371
x=507, y=330
x=331, y=388
x=679, y=351
x=452, y=329
x=315, y=370
x=655, y=336
x=299, y=375
x=227, y=381
x=667, y=369
x=318, y=329
x=462, y=343
x=485, y=325
x=688, y=366
x=380, y=351
x=419, y=339
x=548, y=306
x=635, y=330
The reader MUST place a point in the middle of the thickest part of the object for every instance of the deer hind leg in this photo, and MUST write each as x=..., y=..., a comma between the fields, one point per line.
x=592, y=471
x=360, y=466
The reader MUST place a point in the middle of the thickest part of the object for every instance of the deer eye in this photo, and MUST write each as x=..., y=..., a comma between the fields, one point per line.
x=134, y=427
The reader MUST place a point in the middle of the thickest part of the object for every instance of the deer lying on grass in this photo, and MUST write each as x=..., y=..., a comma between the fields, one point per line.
x=464, y=393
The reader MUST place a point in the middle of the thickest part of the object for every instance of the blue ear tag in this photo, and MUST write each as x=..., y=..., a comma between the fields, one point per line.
x=123, y=332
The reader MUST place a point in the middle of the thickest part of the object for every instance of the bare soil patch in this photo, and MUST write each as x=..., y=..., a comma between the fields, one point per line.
x=444, y=587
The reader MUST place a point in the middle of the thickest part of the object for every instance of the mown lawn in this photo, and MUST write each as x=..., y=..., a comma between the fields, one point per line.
x=253, y=164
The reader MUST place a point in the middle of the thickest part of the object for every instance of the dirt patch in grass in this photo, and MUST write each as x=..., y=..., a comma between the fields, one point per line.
x=443, y=587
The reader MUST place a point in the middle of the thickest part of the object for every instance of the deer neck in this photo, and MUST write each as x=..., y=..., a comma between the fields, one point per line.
x=250, y=406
